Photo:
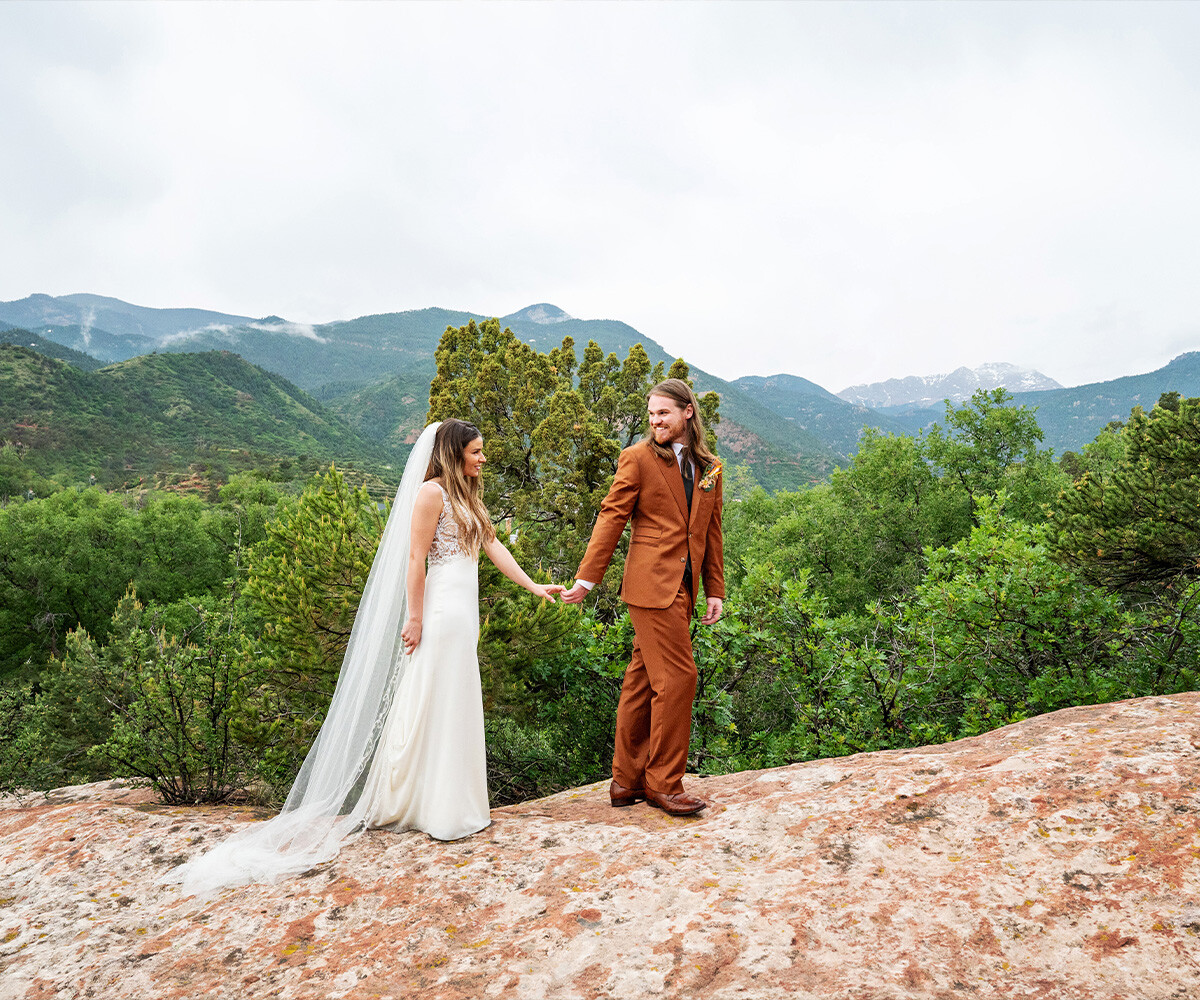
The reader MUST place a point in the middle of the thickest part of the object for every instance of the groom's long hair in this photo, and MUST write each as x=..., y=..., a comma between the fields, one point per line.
x=678, y=390
x=466, y=501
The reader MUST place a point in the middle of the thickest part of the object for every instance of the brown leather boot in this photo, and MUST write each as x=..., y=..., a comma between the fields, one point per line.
x=619, y=795
x=680, y=804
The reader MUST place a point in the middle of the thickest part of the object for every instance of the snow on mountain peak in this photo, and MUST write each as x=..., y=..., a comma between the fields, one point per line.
x=961, y=384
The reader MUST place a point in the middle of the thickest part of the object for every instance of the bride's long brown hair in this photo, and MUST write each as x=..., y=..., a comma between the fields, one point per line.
x=446, y=463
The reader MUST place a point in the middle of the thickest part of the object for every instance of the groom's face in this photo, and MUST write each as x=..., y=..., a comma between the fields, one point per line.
x=668, y=420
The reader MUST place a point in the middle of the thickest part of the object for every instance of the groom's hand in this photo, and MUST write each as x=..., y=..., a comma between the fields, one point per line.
x=713, y=614
x=576, y=594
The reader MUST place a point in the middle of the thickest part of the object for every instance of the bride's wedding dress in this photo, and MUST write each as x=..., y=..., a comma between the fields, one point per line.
x=430, y=769
x=402, y=743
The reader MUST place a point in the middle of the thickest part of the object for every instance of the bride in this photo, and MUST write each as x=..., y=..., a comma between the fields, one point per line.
x=402, y=744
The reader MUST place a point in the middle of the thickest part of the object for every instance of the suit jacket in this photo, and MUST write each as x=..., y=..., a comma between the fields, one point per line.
x=647, y=492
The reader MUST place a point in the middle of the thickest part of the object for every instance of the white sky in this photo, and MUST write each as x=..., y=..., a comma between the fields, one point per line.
x=846, y=192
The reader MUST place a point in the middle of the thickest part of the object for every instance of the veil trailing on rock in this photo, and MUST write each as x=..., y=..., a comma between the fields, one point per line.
x=326, y=806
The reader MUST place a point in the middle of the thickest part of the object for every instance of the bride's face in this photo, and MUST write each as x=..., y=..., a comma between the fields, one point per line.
x=473, y=459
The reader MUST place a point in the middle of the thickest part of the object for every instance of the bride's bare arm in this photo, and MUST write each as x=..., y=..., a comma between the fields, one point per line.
x=506, y=564
x=426, y=509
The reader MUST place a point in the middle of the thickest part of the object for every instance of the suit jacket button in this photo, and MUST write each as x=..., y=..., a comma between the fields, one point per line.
x=683, y=558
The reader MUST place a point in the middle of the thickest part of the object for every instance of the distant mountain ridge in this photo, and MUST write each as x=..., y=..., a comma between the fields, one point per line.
x=1070, y=418
x=50, y=348
x=920, y=391
x=122, y=330
x=374, y=372
x=809, y=409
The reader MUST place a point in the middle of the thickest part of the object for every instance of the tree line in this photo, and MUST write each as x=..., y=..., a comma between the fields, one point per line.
x=938, y=586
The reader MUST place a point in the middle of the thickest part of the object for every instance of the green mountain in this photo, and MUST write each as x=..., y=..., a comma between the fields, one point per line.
x=392, y=409
x=50, y=348
x=374, y=372
x=159, y=415
x=94, y=342
x=808, y=408
x=1070, y=418
x=105, y=327
x=357, y=351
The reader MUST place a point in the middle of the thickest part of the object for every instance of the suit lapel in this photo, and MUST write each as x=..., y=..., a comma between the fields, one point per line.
x=669, y=468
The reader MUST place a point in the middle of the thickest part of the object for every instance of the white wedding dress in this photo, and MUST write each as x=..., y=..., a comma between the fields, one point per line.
x=430, y=768
x=402, y=744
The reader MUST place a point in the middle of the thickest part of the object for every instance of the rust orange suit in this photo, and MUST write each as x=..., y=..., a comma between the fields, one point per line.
x=654, y=715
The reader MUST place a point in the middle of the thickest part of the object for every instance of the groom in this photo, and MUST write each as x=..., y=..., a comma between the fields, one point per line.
x=668, y=487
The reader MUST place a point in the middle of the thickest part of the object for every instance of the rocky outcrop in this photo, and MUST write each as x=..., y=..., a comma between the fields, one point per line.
x=1056, y=858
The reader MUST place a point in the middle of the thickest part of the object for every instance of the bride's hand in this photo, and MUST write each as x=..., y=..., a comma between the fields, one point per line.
x=547, y=590
x=411, y=634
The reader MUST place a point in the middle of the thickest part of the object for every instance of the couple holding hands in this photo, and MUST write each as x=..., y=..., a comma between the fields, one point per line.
x=402, y=745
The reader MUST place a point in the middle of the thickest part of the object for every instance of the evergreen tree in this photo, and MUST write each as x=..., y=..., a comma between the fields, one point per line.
x=305, y=581
x=1137, y=524
x=552, y=431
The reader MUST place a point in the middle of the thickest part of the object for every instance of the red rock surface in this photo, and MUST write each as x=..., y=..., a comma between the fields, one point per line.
x=1057, y=858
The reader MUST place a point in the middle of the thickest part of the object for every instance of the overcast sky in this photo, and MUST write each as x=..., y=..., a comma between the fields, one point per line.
x=846, y=192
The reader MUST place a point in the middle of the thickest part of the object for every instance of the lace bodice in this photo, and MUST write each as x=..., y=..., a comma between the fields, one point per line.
x=447, y=541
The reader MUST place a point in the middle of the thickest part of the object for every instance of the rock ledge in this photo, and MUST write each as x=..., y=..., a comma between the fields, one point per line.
x=1056, y=858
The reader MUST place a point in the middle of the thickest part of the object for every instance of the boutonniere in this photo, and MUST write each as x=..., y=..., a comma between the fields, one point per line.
x=711, y=475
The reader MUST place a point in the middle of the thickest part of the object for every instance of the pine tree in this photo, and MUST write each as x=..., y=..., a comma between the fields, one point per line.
x=1138, y=525
x=552, y=431
x=306, y=579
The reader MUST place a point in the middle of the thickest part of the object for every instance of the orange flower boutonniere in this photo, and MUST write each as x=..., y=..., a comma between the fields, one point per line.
x=711, y=475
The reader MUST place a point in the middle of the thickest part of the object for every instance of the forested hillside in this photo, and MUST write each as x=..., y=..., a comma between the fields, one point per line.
x=1070, y=418
x=373, y=370
x=158, y=416
x=50, y=348
x=366, y=368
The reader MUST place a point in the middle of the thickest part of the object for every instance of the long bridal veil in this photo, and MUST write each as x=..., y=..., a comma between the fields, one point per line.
x=326, y=805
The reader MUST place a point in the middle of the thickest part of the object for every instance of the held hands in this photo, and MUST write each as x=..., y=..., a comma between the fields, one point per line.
x=546, y=591
x=712, y=613
x=411, y=633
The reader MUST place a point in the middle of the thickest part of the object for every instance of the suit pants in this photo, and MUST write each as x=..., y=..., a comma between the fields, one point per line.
x=654, y=715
